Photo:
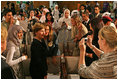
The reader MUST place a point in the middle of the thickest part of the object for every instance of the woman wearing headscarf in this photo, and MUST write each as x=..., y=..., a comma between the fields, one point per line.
x=56, y=13
x=64, y=27
x=14, y=57
x=43, y=17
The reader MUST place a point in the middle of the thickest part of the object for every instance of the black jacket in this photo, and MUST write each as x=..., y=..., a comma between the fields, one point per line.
x=87, y=25
x=6, y=71
x=38, y=64
x=54, y=48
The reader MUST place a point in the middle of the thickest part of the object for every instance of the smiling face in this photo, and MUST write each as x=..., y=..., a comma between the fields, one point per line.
x=8, y=16
x=66, y=14
x=73, y=22
x=20, y=34
x=31, y=13
x=47, y=31
x=40, y=34
x=49, y=17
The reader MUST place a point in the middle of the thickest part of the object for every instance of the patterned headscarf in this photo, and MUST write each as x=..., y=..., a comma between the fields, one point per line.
x=12, y=34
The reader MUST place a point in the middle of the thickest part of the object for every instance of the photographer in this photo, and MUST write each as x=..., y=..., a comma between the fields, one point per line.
x=31, y=17
x=105, y=67
x=64, y=27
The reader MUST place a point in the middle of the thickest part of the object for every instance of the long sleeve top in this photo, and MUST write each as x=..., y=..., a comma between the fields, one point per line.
x=38, y=64
x=104, y=68
x=13, y=54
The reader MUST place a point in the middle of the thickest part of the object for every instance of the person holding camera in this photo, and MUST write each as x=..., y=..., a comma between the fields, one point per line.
x=31, y=17
x=14, y=57
x=64, y=27
x=106, y=66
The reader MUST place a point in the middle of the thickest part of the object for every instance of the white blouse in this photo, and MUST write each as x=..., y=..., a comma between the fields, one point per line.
x=13, y=55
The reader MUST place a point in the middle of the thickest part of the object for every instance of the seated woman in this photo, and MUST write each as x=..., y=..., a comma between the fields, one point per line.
x=106, y=66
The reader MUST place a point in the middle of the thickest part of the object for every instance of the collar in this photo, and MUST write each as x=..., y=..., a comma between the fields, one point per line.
x=97, y=15
x=87, y=21
x=3, y=57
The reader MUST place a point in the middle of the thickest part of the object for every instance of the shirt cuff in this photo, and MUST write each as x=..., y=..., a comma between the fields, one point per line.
x=23, y=58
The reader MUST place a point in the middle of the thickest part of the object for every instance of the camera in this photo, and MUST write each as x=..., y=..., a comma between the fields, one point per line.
x=86, y=39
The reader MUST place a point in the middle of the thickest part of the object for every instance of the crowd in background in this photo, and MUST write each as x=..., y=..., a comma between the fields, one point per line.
x=46, y=28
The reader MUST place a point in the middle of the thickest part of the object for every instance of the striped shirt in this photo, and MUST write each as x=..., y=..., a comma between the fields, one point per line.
x=104, y=68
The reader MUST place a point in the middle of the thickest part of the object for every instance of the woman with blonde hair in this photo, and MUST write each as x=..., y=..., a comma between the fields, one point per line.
x=106, y=66
x=6, y=70
x=78, y=30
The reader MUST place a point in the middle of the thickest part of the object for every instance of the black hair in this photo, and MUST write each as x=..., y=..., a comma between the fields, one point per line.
x=6, y=11
x=89, y=9
x=82, y=5
x=41, y=6
x=87, y=14
x=96, y=25
x=105, y=20
x=52, y=20
x=97, y=6
x=37, y=11
x=87, y=1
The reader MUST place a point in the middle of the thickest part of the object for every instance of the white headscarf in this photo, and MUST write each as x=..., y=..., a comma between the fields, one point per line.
x=65, y=12
x=66, y=20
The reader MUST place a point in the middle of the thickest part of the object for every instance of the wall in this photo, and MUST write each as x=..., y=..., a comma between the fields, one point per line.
x=36, y=4
x=72, y=5
x=69, y=4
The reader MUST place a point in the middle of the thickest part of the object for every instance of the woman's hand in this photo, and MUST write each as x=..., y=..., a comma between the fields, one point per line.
x=25, y=56
x=30, y=18
x=11, y=22
x=89, y=41
x=82, y=46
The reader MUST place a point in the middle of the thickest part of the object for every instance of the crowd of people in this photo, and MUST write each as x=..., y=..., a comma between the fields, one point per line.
x=45, y=28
